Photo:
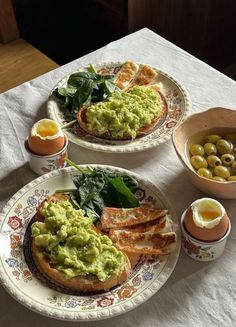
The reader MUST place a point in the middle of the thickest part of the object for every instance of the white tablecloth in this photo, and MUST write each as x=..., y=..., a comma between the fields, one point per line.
x=196, y=294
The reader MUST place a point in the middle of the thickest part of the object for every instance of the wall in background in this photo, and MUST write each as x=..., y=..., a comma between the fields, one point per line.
x=63, y=30
x=68, y=30
x=205, y=28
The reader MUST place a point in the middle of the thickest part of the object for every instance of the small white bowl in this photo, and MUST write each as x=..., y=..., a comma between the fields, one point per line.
x=201, y=250
x=44, y=164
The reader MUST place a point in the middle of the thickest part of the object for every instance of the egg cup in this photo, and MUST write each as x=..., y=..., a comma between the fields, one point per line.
x=44, y=164
x=202, y=250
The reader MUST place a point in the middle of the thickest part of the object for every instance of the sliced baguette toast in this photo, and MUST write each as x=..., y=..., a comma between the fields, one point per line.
x=116, y=218
x=82, y=119
x=126, y=74
x=144, y=76
x=146, y=243
x=80, y=283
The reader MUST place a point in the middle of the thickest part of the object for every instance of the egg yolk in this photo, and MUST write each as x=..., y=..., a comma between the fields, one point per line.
x=47, y=129
x=209, y=215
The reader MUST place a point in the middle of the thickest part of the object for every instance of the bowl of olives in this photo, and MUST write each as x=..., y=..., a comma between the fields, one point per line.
x=205, y=142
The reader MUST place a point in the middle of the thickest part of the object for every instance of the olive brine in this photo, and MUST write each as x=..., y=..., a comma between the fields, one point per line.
x=215, y=157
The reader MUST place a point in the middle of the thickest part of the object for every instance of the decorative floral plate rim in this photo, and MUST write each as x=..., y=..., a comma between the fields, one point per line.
x=179, y=106
x=147, y=278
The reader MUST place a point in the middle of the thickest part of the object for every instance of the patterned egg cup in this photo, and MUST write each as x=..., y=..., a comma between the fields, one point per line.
x=45, y=164
x=202, y=250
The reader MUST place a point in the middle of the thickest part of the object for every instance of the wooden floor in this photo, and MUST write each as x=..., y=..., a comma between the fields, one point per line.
x=20, y=62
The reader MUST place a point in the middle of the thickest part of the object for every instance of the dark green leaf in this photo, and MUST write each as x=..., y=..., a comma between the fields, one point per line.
x=65, y=91
x=110, y=87
x=84, y=88
x=76, y=79
x=125, y=197
x=97, y=188
x=82, y=94
x=58, y=95
x=91, y=213
x=89, y=189
x=69, y=103
x=85, y=91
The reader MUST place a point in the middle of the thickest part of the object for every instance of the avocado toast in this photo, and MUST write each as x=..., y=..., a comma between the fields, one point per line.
x=125, y=115
x=72, y=252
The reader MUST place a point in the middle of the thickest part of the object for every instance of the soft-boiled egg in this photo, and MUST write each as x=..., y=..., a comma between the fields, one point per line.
x=46, y=137
x=206, y=220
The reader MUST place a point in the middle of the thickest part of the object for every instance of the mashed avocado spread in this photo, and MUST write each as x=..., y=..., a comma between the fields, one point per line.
x=124, y=112
x=72, y=245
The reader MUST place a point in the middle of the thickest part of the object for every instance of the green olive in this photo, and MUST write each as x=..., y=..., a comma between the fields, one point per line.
x=214, y=161
x=224, y=146
x=227, y=159
x=213, y=138
x=233, y=167
x=198, y=162
x=234, y=152
x=221, y=171
x=231, y=137
x=196, y=149
x=219, y=179
x=231, y=179
x=204, y=172
x=210, y=148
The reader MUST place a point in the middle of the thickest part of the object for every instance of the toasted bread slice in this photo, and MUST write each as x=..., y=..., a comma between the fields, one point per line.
x=146, y=243
x=126, y=74
x=144, y=76
x=84, y=284
x=80, y=283
x=121, y=217
x=82, y=118
x=159, y=225
x=133, y=258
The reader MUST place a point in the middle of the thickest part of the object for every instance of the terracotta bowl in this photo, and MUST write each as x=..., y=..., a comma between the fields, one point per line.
x=192, y=130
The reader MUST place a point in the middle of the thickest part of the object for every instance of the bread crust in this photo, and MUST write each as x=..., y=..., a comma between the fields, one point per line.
x=82, y=120
x=79, y=283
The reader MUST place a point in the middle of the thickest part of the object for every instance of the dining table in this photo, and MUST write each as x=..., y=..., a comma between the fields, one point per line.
x=196, y=293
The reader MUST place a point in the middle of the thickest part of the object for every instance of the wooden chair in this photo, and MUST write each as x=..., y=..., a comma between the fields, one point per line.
x=19, y=60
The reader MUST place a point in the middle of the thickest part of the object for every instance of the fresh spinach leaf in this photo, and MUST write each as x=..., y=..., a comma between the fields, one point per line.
x=89, y=189
x=124, y=196
x=76, y=79
x=69, y=91
x=110, y=87
x=84, y=88
x=98, y=188
x=82, y=94
x=91, y=213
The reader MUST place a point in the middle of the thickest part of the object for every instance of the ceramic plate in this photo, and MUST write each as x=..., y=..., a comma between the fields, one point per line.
x=146, y=279
x=178, y=107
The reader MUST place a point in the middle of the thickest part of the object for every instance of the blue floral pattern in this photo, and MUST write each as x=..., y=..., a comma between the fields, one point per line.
x=72, y=303
x=32, y=201
x=148, y=275
x=13, y=263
